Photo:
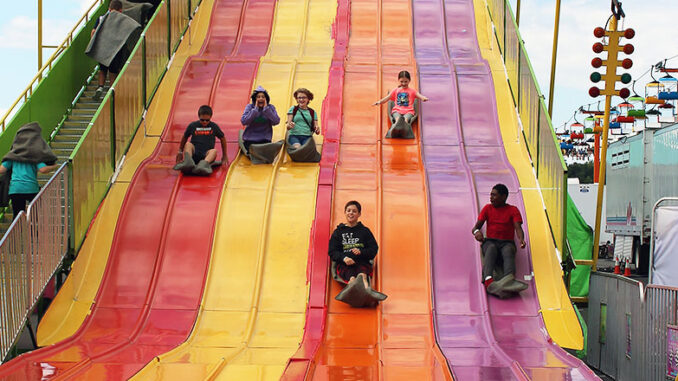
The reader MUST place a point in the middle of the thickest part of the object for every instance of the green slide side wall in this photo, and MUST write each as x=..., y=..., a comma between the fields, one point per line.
x=53, y=96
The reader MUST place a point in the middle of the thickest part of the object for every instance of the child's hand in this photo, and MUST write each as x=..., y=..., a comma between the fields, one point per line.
x=479, y=236
x=349, y=261
x=317, y=130
x=522, y=243
x=375, y=103
x=290, y=125
x=355, y=251
x=424, y=99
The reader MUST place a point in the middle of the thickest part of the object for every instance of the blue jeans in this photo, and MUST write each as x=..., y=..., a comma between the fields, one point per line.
x=301, y=139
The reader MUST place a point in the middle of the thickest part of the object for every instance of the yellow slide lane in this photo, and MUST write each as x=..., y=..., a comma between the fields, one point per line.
x=556, y=307
x=72, y=304
x=253, y=311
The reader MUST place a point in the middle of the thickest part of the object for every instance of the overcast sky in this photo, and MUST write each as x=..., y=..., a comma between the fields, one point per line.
x=651, y=19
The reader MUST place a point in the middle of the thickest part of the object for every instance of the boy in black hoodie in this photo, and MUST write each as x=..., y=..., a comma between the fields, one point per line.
x=352, y=246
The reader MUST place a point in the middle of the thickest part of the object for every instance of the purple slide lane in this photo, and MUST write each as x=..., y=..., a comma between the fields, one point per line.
x=483, y=338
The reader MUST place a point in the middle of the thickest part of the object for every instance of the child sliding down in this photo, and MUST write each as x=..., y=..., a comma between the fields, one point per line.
x=403, y=98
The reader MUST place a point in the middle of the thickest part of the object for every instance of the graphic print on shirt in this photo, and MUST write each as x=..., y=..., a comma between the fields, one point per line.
x=402, y=99
x=349, y=242
x=203, y=131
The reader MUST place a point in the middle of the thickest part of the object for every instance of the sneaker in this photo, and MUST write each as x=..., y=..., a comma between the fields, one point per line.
x=488, y=282
x=98, y=93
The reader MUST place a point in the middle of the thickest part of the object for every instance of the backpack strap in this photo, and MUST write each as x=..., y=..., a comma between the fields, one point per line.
x=310, y=125
x=296, y=108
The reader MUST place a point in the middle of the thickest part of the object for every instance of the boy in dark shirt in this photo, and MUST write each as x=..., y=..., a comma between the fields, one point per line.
x=201, y=147
x=352, y=245
x=498, y=247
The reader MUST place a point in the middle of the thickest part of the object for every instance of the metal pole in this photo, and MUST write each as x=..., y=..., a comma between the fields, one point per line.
x=39, y=35
x=609, y=87
x=518, y=13
x=596, y=153
x=554, y=54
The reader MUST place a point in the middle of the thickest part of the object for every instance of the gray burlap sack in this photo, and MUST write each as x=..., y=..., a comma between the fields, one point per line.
x=30, y=147
x=307, y=153
x=110, y=36
x=264, y=153
x=401, y=130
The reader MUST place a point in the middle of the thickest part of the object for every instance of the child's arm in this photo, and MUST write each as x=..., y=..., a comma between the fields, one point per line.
x=423, y=98
x=371, y=247
x=224, y=157
x=335, y=249
x=271, y=114
x=519, y=231
x=289, y=123
x=180, y=154
x=382, y=100
x=316, y=128
x=48, y=168
x=248, y=115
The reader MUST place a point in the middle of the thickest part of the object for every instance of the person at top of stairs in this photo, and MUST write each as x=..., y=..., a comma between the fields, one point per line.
x=108, y=44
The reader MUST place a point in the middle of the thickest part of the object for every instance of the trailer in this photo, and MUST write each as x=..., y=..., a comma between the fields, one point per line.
x=641, y=169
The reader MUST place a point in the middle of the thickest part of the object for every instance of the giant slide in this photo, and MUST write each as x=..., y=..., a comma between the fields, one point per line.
x=226, y=277
x=395, y=340
x=152, y=285
x=482, y=337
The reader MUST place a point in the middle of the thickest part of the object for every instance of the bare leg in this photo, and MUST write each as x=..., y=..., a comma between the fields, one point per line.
x=102, y=78
x=211, y=155
x=367, y=285
x=113, y=76
x=296, y=145
x=189, y=148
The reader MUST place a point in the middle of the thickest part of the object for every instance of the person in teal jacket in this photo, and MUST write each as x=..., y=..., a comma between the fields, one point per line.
x=23, y=184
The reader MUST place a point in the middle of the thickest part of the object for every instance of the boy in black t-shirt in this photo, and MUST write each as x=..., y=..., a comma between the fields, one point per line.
x=201, y=147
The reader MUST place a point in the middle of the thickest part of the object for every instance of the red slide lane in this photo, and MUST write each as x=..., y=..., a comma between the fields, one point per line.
x=153, y=282
x=316, y=312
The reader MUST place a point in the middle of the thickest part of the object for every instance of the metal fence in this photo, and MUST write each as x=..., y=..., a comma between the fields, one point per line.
x=538, y=132
x=115, y=123
x=30, y=253
x=632, y=330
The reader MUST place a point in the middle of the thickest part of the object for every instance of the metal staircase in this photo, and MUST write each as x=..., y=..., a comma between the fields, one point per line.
x=67, y=136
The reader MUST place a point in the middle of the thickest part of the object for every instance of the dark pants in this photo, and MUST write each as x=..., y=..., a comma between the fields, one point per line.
x=198, y=155
x=117, y=64
x=346, y=272
x=19, y=201
x=248, y=143
x=498, y=252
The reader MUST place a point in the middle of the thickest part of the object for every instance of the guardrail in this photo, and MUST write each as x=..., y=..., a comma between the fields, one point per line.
x=538, y=132
x=30, y=253
x=632, y=330
x=109, y=134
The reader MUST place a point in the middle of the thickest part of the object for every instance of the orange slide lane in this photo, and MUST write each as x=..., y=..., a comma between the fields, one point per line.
x=396, y=339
